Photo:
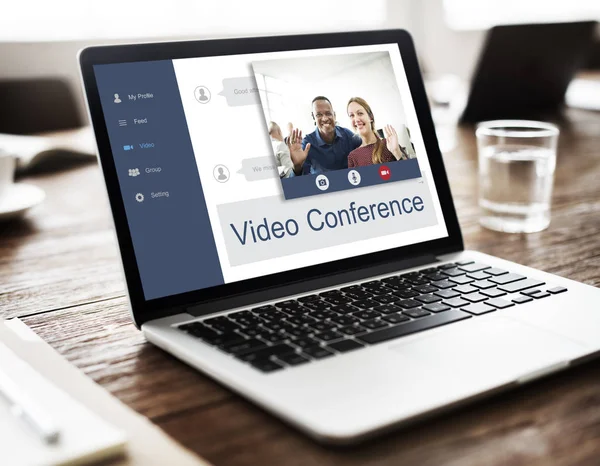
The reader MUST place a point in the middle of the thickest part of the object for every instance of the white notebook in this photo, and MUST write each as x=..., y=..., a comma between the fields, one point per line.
x=84, y=437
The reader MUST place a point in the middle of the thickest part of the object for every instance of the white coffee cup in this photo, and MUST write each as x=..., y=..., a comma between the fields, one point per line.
x=7, y=173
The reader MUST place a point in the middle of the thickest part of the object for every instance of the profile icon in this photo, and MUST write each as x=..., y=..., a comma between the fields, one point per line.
x=202, y=94
x=117, y=99
x=221, y=173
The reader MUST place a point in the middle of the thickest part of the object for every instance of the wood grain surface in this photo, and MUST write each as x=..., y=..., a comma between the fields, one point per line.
x=59, y=271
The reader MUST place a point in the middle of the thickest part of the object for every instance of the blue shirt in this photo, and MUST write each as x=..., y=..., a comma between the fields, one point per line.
x=323, y=157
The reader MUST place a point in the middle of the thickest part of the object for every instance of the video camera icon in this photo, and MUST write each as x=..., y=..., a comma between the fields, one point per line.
x=128, y=147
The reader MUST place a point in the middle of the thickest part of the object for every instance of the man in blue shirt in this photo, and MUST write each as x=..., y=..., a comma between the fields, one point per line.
x=327, y=147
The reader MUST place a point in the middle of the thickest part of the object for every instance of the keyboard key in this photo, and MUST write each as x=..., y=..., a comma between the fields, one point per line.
x=408, y=328
x=506, y=278
x=345, y=345
x=304, y=342
x=499, y=303
x=453, y=272
x=475, y=267
x=443, y=284
x=352, y=330
x=520, y=285
x=484, y=284
x=475, y=297
x=265, y=308
x=465, y=262
x=337, y=301
x=317, y=352
x=425, y=289
x=288, y=304
x=329, y=335
x=310, y=297
x=417, y=280
x=366, y=315
x=481, y=275
x=385, y=299
x=406, y=294
x=322, y=326
x=436, y=307
x=447, y=294
x=266, y=365
x=266, y=353
x=522, y=299
x=461, y=280
x=495, y=271
x=428, y=298
x=450, y=265
x=531, y=292
x=317, y=305
x=322, y=315
x=299, y=332
x=244, y=346
x=465, y=289
x=359, y=294
x=365, y=303
x=273, y=337
x=416, y=313
x=408, y=303
x=493, y=292
x=387, y=309
x=395, y=318
x=344, y=320
x=544, y=294
x=292, y=359
x=557, y=289
x=436, y=276
x=331, y=294
x=344, y=309
x=456, y=302
x=478, y=308
x=373, y=324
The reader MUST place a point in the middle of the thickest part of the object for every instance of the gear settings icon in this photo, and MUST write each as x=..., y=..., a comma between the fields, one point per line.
x=139, y=197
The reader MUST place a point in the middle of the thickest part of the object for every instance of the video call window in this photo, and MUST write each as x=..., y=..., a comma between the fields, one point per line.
x=335, y=122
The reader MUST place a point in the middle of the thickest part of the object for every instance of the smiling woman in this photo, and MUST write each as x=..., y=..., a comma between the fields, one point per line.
x=374, y=149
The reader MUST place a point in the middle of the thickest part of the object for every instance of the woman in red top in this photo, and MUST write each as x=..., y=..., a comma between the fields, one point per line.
x=373, y=149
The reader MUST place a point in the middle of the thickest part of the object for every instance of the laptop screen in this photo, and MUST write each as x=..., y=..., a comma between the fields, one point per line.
x=239, y=166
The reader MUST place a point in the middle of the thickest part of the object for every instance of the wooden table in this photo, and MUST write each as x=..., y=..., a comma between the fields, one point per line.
x=60, y=273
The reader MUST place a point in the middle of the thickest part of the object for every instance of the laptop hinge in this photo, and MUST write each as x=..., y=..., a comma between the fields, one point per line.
x=308, y=285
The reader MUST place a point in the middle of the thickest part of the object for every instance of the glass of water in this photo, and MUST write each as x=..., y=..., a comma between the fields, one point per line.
x=517, y=159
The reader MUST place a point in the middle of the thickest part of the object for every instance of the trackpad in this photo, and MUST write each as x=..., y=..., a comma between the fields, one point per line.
x=494, y=349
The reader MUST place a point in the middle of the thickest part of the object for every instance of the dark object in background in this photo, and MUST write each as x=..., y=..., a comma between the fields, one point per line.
x=524, y=70
x=37, y=105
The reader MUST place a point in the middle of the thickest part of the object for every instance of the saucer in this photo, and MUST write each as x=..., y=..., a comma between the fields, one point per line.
x=18, y=199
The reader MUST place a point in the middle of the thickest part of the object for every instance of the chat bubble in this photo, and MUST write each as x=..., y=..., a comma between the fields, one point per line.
x=259, y=168
x=240, y=91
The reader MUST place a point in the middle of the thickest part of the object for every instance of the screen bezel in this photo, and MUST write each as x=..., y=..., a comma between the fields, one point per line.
x=144, y=310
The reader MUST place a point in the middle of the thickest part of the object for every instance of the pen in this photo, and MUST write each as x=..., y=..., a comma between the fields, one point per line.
x=20, y=406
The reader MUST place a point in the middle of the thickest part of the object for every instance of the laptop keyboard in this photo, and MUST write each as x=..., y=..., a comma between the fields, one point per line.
x=317, y=326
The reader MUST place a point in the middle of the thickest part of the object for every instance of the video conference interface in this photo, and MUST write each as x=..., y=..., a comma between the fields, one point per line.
x=239, y=166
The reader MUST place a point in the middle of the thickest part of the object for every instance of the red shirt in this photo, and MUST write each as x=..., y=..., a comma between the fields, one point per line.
x=363, y=156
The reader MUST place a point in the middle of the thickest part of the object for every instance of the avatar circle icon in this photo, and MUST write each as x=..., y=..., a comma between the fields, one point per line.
x=354, y=177
x=221, y=173
x=139, y=197
x=322, y=182
x=202, y=94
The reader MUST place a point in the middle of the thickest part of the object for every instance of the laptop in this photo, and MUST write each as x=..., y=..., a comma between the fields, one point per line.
x=340, y=298
x=524, y=70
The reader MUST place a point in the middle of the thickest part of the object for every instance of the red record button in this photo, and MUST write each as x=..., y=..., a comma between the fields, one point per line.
x=385, y=172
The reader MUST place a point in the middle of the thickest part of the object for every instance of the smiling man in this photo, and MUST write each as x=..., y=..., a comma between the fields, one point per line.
x=327, y=147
